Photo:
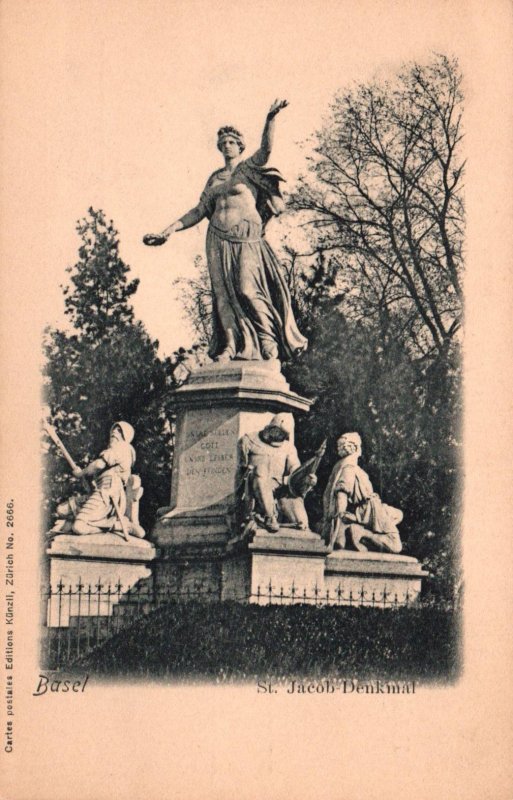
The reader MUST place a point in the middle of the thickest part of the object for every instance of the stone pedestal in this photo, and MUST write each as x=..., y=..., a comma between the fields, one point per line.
x=282, y=567
x=372, y=579
x=200, y=552
x=101, y=559
x=217, y=405
x=294, y=567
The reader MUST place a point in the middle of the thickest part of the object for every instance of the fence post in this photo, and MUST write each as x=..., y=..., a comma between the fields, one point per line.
x=68, y=647
x=79, y=612
x=49, y=636
x=60, y=587
x=99, y=587
x=108, y=608
x=118, y=615
x=89, y=617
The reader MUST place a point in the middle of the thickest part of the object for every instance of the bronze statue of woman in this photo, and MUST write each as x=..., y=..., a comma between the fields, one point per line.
x=252, y=312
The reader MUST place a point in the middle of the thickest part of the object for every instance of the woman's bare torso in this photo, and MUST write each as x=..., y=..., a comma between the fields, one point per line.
x=235, y=199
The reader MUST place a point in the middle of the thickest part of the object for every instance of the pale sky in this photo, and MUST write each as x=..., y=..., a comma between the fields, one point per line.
x=116, y=105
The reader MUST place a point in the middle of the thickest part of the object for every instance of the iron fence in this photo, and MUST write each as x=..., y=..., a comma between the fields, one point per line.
x=80, y=618
x=338, y=596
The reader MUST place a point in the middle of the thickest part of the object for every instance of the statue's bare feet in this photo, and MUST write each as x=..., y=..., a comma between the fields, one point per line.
x=269, y=351
x=226, y=355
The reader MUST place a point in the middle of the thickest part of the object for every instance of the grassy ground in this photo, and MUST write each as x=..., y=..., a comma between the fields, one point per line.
x=233, y=642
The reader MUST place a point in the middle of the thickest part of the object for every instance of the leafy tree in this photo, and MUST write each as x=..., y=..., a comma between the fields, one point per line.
x=379, y=295
x=384, y=193
x=196, y=293
x=107, y=368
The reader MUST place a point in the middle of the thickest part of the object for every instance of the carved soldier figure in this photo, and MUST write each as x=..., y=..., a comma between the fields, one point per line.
x=112, y=506
x=252, y=310
x=270, y=459
x=354, y=515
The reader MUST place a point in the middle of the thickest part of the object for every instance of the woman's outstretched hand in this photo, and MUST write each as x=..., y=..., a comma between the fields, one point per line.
x=276, y=108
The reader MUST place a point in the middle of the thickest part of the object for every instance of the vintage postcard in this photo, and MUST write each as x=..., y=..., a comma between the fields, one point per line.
x=255, y=346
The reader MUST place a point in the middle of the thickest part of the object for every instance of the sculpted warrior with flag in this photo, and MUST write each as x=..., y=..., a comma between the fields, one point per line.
x=276, y=481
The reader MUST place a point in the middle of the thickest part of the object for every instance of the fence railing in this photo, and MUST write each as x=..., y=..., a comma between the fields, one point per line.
x=340, y=596
x=79, y=618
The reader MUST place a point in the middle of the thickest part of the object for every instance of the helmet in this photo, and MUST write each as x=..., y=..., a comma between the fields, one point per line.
x=285, y=421
x=126, y=429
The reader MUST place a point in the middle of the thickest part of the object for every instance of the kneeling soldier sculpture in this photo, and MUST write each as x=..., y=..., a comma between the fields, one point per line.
x=113, y=504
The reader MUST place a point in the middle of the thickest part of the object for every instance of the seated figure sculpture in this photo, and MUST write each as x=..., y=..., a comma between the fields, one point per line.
x=112, y=505
x=354, y=516
x=269, y=459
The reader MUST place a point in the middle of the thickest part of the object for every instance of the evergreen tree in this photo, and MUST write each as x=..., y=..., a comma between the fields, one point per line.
x=106, y=369
x=97, y=299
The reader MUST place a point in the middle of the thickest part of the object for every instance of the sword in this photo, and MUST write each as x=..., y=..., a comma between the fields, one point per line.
x=54, y=436
x=121, y=518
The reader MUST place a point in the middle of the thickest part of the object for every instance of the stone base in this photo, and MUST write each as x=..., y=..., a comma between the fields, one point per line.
x=294, y=567
x=282, y=567
x=287, y=567
x=372, y=579
x=100, y=559
x=189, y=576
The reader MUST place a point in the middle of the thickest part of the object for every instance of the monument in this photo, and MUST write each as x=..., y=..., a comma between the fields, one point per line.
x=236, y=524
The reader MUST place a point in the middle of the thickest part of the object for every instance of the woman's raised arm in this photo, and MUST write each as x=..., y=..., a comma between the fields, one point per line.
x=261, y=156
